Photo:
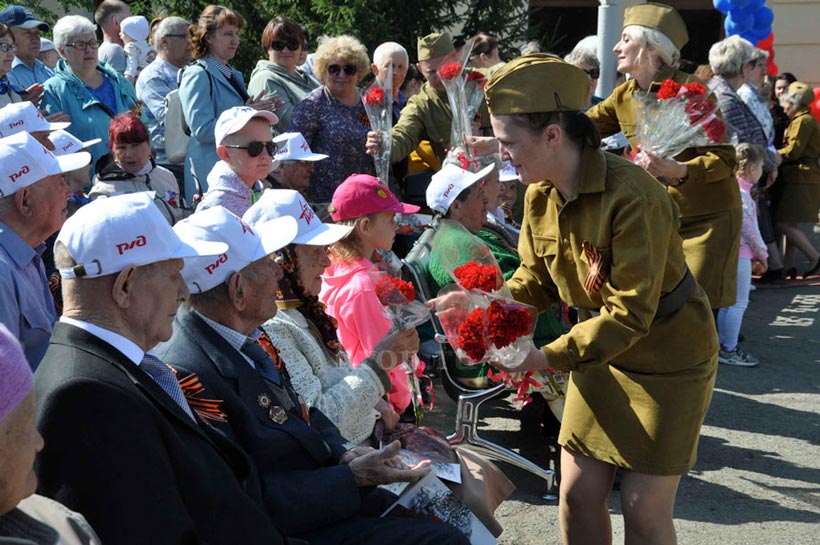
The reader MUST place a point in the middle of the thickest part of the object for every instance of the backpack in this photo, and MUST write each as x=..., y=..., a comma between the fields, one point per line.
x=177, y=131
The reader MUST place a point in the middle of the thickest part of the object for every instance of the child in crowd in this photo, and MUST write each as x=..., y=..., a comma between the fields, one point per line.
x=364, y=203
x=134, y=33
x=749, y=169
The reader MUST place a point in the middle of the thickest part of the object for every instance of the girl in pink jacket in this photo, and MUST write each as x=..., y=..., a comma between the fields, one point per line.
x=364, y=203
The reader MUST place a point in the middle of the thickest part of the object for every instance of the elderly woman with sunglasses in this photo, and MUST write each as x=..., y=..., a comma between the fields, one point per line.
x=283, y=40
x=332, y=117
x=89, y=91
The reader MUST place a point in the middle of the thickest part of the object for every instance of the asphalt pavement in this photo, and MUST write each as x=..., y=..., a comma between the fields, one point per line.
x=757, y=478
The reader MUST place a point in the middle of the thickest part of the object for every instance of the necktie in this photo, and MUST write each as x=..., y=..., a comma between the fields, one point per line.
x=262, y=361
x=167, y=380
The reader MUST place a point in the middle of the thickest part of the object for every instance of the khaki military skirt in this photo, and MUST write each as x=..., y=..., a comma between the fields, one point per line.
x=798, y=203
x=710, y=245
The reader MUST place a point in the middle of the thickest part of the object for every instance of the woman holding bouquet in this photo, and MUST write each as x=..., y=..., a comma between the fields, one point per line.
x=700, y=179
x=599, y=234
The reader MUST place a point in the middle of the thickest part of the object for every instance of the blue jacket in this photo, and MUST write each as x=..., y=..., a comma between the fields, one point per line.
x=90, y=118
x=204, y=94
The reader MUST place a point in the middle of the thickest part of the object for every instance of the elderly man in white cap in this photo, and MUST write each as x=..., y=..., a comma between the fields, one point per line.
x=33, y=196
x=117, y=423
x=314, y=488
x=244, y=143
x=25, y=117
x=293, y=163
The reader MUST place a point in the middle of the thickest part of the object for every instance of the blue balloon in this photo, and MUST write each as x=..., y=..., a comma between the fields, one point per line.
x=763, y=19
x=739, y=4
x=755, y=5
x=751, y=36
x=723, y=6
x=738, y=21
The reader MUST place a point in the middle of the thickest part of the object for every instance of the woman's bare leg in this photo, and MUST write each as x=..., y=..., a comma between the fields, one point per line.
x=647, y=502
x=585, y=486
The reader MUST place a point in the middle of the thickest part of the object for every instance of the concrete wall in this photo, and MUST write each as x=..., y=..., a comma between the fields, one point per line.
x=796, y=38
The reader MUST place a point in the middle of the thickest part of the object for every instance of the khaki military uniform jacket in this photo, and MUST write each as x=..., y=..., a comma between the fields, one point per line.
x=640, y=386
x=427, y=116
x=710, y=186
x=797, y=190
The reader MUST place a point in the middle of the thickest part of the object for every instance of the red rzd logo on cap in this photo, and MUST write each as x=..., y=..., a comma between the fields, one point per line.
x=449, y=188
x=19, y=173
x=137, y=242
x=18, y=123
x=213, y=266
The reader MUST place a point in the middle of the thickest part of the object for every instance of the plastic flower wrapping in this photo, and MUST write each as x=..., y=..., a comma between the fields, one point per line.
x=399, y=305
x=480, y=319
x=678, y=117
x=378, y=103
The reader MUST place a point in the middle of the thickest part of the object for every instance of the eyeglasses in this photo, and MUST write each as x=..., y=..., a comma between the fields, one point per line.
x=278, y=45
x=593, y=73
x=6, y=47
x=349, y=69
x=254, y=149
x=83, y=46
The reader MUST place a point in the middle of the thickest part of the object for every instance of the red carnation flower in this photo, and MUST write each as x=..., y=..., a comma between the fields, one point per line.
x=471, y=337
x=715, y=130
x=474, y=75
x=477, y=276
x=375, y=95
x=669, y=89
x=391, y=290
x=694, y=89
x=449, y=71
x=507, y=325
x=699, y=107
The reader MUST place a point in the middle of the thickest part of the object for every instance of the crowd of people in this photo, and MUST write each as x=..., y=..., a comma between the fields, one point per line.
x=192, y=345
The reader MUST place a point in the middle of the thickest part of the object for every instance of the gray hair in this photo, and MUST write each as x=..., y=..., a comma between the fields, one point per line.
x=533, y=46
x=727, y=57
x=170, y=25
x=491, y=159
x=70, y=26
x=795, y=99
x=758, y=55
x=660, y=43
x=577, y=57
x=388, y=49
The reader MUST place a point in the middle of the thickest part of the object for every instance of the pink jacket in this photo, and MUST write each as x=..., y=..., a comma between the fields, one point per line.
x=348, y=292
x=751, y=243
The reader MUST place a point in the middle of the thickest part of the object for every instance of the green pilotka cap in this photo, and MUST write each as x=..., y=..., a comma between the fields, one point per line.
x=434, y=45
x=660, y=17
x=537, y=83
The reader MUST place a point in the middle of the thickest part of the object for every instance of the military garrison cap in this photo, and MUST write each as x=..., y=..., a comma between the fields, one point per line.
x=802, y=90
x=537, y=83
x=660, y=17
x=434, y=45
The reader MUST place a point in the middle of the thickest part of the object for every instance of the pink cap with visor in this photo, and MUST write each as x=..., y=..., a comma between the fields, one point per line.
x=363, y=194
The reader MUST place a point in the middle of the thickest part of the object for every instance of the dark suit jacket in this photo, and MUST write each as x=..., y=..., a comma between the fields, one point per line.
x=302, y=486
x=122, y=453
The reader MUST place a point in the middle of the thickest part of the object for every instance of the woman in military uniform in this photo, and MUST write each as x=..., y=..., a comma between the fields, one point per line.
x=797, y=192
x=701, y=180
x=601, y=235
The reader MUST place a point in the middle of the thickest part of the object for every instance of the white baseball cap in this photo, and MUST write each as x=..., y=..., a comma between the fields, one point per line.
x=508, y=173
x=245, y=244
x=234, y=120
x=276, y=203
x=109, y=234
x=136, y=27
x=24, y=117
x=294, y=147
x=46, y=45
x=65, y=142
x=449, y=182
x=24, y=161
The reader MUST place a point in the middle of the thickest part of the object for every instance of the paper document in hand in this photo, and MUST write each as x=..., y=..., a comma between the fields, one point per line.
x=430, y=498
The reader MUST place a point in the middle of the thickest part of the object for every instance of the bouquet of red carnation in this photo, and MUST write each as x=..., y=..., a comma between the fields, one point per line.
x=398, y=299
x=676, y=118
x=484, y=328
x=378, y=103
x=467, y=260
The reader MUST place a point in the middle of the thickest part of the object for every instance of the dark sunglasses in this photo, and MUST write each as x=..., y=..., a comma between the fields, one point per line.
x=293, y=45
x=349, y=69
x=593, y=73
x=254, y=149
